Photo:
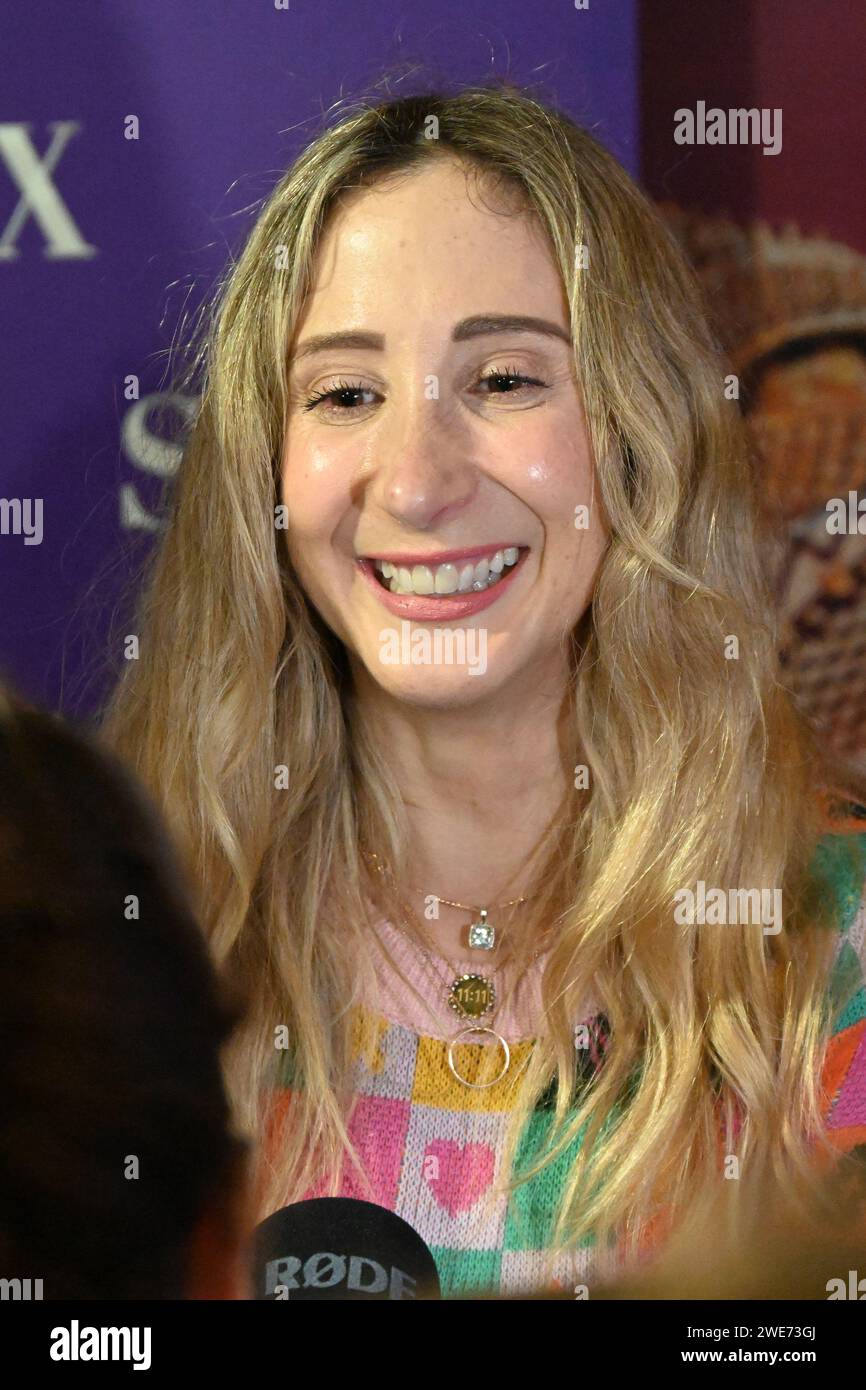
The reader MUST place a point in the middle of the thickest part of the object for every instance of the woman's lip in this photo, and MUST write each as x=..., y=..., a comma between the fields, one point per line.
x=442, y=557
x=424, y=609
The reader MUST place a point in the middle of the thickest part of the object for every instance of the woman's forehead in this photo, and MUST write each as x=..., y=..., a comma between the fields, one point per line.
x=428, y=251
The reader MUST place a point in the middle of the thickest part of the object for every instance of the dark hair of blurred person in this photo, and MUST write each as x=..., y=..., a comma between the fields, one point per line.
x=120, y=1175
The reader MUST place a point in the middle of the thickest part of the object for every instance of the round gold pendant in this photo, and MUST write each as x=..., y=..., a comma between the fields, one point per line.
x=506, y=1059
x=472, y=996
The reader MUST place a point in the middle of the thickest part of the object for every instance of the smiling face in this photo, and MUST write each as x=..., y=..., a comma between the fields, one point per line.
x=435, y=454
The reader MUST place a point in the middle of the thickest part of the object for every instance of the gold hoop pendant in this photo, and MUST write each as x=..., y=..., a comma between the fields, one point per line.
x=479, y=1085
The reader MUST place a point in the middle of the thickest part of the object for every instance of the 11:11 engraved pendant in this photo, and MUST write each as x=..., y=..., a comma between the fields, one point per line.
x=472, y=996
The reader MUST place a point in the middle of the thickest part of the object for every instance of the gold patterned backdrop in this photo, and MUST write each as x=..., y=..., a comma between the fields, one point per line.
x=790, y=311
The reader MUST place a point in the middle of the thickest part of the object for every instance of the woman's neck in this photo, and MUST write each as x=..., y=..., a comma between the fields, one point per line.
x=480, y=786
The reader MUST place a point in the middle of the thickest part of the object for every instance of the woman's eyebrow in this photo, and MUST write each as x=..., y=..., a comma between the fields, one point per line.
x=482, y=324
x=476, y=327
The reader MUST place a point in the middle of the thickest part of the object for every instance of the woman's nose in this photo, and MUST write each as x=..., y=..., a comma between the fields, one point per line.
x=424, y=472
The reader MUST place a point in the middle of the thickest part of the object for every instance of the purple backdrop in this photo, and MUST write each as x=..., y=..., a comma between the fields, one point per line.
x=105, y=240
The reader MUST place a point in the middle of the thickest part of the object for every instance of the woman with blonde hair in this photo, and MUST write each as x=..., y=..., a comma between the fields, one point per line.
x=457, y=685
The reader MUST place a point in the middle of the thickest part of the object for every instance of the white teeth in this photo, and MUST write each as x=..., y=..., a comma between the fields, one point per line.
x=422, y=579
x=447, y=578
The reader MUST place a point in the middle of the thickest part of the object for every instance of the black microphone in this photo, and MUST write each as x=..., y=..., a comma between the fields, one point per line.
x=340, y=1248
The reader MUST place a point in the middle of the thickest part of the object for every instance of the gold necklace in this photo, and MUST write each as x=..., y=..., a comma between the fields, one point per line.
x=470, y=994
x=481, y=933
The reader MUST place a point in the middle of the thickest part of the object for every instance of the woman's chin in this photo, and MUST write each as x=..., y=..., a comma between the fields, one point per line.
x=437, y=674
x=445, y=668
x=448, y=668
x=434, y=688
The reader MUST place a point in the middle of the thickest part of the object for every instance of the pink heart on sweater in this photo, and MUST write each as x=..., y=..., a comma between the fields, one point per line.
x=462, y=1173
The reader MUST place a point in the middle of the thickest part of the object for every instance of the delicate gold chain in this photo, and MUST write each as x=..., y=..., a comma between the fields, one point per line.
x=465, y=907
x=475, y=1027
x=433, y=956
x=449, y=902
x=430, y=956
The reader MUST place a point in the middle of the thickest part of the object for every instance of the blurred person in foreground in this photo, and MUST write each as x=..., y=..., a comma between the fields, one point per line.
x=120, y=1176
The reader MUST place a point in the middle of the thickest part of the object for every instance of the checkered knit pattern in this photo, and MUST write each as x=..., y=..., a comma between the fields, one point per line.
x=430, y=1147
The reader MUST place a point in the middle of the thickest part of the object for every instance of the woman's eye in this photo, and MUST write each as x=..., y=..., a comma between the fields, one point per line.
x=340, y=395
x=342, y=399
x=510, y=383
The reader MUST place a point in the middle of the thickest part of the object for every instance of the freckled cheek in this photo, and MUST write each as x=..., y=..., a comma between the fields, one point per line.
x=548, y=459
x=556, y=476
x=316, y=488
x=552, y=483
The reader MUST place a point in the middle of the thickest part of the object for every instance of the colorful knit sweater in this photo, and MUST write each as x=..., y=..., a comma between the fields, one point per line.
x=431, y=1147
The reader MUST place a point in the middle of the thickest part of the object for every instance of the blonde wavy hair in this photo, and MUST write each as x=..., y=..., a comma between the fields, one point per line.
x=700, y=768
